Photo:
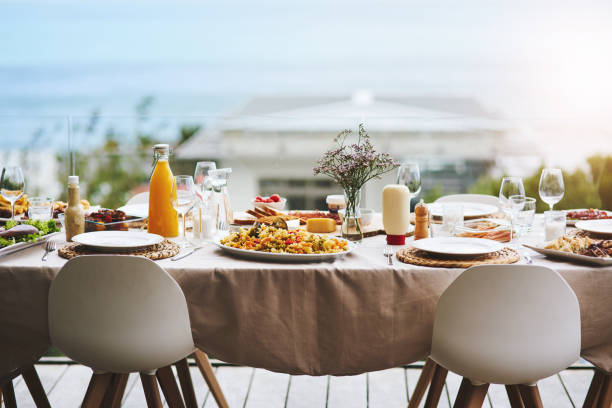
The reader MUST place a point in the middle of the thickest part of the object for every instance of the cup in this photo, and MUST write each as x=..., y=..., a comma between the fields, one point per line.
x=526, y=215
x=452, y=216
x=40, y=208
x=554, y=224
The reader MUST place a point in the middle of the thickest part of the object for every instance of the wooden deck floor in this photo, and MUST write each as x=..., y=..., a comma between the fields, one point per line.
x=248, y=387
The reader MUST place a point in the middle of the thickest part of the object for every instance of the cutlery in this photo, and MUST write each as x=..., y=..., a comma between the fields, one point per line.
x=186, y=254
x=388, y=252
x=50, y=247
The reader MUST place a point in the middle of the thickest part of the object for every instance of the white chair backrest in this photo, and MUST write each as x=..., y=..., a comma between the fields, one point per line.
x=140, y=198
x=470, y=198
x=118, y=314
x=515, y=324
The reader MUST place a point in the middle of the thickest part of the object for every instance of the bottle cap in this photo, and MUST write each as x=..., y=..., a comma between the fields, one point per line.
x=73, y=179
x=162, y=148
x=396, y=239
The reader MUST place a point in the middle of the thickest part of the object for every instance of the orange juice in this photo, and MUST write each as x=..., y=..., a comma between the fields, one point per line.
x=163, y=219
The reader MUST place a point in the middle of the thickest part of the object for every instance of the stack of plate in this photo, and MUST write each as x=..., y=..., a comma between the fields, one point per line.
x=458, y=246
x=601, y=228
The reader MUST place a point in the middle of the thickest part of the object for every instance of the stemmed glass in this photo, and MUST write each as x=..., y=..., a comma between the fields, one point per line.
x=409, y=175
x=202, y=179
x=182, y=196
x=511, y=193
x=552, y=188
x=12, y=185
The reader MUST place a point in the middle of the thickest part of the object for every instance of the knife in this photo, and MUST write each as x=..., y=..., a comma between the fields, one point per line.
x=181, y=256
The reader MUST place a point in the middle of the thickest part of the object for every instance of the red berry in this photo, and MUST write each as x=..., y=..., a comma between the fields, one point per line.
x=275, y=197
x=258, y=199
x=268, y=200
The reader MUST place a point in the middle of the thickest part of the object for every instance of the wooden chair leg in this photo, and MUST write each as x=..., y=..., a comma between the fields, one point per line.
x=9, y=394
x=166, y=380
x=424, y=381
x=182, y=369
x=30, y=376
x=435, y=389
x=151, y=391
x=209, y=375
x=114, y=392
x=605, y=394
x=96, y=389
x=593, y=394
x=470, y=395
x=514, y=395
x=531, y=396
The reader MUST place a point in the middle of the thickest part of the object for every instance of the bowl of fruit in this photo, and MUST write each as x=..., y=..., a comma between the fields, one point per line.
x=274, y=201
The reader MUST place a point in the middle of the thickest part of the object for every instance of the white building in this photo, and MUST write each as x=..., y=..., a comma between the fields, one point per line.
x=272, y=143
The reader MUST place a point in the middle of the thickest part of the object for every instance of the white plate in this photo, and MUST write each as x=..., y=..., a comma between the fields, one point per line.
x=136, y=210
x=458, y=246
x=283, y=257
x=600, y=227
x=117, y=240
x=569, y=256
x=571, y=223
x=23, y=245
x=470, y=210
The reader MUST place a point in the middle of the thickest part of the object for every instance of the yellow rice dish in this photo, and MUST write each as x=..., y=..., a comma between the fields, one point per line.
x=271, y=239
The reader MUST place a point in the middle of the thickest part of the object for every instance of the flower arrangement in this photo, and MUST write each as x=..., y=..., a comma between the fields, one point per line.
x=351, y=166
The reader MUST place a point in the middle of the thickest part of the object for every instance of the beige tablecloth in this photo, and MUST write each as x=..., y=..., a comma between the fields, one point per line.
x=354, y=315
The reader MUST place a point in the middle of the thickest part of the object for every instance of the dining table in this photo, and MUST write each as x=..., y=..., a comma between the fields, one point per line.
x=352, y=315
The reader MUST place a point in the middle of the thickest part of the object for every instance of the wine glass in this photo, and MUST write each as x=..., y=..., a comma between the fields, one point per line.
x=409, y=175
x=551, y=186
x=12, y=185
x=182, y=196
x=510, y=188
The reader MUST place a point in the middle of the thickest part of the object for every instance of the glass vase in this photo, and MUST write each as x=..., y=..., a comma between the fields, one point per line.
x=351, y=220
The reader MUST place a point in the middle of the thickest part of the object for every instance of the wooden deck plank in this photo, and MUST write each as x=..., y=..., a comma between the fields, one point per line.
x=387, y=388
x=577, y=384
x=307, y=391
x=268, y=389
x=348, y=391
x=552, y=393
x=71, y=387
x=235, y=383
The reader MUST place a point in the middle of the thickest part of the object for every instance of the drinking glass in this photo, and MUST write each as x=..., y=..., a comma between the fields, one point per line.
x=551, y=186
x=554, y=224
x=182, y=196
x=201, y=177
x=220, y=179
x=526, y=215
x=511, y=186
x=12, y=186
x=204, y=217
x=452, y=216
x=409, y=175
x=40, y=208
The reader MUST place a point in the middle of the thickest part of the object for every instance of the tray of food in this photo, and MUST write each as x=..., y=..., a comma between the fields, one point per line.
x=15, y=236
x=112, y=220
x=487, y=228
x=577, y=249
x=269, y=243
x=585, y=214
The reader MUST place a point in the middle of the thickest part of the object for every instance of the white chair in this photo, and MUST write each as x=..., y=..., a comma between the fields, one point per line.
x=505, y=324
x=140, y=198
x=123, y=314
x=470, y=198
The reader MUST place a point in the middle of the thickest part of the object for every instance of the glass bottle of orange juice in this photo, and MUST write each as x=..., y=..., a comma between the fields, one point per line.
x=163, y=219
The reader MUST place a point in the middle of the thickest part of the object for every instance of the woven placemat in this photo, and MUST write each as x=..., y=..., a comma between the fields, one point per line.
x=416, y=257
x=165, y=249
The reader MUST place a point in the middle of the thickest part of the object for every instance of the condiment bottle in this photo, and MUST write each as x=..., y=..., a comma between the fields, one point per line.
x=74, y=220
x=396, y=213
x=163, y=219
x=421, y=214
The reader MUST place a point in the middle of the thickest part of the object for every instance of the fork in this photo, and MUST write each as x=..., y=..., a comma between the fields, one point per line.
x=388, y=252
x=50, y=247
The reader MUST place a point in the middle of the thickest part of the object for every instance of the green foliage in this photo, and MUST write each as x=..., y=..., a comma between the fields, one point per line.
x=582, y=189
x=432, y=194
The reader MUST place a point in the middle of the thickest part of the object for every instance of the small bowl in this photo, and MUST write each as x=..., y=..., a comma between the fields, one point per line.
x=278, y=206
x=367, y=215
